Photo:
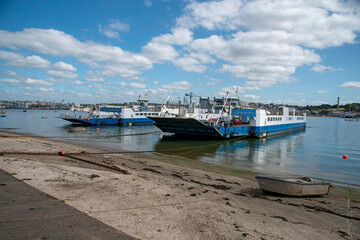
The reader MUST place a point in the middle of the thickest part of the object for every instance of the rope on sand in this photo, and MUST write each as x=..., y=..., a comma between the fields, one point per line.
x=170, y=150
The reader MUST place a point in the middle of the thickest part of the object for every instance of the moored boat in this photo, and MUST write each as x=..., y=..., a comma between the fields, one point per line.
x=292, y=185
x=232, y=122
x=114, y=115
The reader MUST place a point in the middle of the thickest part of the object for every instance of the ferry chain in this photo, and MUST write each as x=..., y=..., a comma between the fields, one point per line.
x=72, y=137
x=113, y=167
x=122, y=152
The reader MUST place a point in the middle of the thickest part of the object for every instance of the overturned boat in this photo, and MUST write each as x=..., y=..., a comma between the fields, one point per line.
x=298, y=186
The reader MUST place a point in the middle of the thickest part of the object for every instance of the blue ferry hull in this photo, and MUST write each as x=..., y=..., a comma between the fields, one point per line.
x=276, y=129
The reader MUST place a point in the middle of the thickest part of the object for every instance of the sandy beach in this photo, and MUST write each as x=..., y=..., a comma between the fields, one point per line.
x=161, y=198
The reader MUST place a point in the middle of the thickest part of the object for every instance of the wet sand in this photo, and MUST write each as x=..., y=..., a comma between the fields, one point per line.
x=161, y=198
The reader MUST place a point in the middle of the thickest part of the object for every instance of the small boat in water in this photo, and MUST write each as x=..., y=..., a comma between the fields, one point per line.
x=298, y=186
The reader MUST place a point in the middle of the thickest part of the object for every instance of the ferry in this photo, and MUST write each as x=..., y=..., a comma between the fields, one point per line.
x=115, y=115
x=233, y=122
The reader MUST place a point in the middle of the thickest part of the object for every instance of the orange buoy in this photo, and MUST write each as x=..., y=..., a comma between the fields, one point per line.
x=33, y=116
x=345, y=156
x=97, y=130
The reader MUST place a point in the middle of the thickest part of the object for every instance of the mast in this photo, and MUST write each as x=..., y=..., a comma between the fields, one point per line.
x=222, y=110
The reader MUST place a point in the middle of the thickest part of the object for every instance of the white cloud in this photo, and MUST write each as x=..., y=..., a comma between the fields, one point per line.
x=232, y=90
x=61, y=74
x=179, y=36
x=261, y=76
x=159, y=52
x=8, y=73
x=321, y=68
x=89, y=62
x=10, y=81
x=318, y=103
x=148, y=3
x=210, y=15
x=123, y=70
x=176, y=86
x=78, y=82
x=190, y=64
x=297, y=94
x=58, y=43
x=156, y=82
x=42, y=89
x=125, y=85
x=250, y=98
x=267, y=44
x=316, y=24
x=17, y=60
x=137, y=85
x=64, y=66
x=258, y=58
x=37, y=82
x=112, y=30
x=321, y=91
x=94, y=77
x=117, y=25
x=96, y=85
x=194, y=62
x=351, y=85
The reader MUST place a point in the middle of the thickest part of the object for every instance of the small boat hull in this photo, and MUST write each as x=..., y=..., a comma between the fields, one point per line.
x=293, y=185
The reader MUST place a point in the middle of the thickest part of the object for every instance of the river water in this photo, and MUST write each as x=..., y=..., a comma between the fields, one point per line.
x=315, y=152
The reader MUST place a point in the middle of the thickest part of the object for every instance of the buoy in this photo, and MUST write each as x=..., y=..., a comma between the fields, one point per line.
x=97, y=130
x=33, y=116
x=345, y=156
x=61, y=153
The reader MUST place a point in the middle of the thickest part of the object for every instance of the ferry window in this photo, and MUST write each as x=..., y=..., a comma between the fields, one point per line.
x=141, y=114
x=268, y=119
x=145, y=114
x=136, y=114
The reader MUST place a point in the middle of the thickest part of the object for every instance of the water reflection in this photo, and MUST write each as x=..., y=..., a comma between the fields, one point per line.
x=259, y=154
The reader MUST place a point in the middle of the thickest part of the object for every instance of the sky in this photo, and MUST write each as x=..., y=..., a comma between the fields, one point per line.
x=301, y=52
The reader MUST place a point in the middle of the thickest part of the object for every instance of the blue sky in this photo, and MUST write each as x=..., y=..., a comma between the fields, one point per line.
x=281, y=51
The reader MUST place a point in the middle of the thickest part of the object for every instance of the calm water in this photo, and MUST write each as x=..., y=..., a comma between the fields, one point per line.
x=316, y=152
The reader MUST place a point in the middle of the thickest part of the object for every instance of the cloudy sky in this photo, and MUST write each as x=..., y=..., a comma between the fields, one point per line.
x=303, y=52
